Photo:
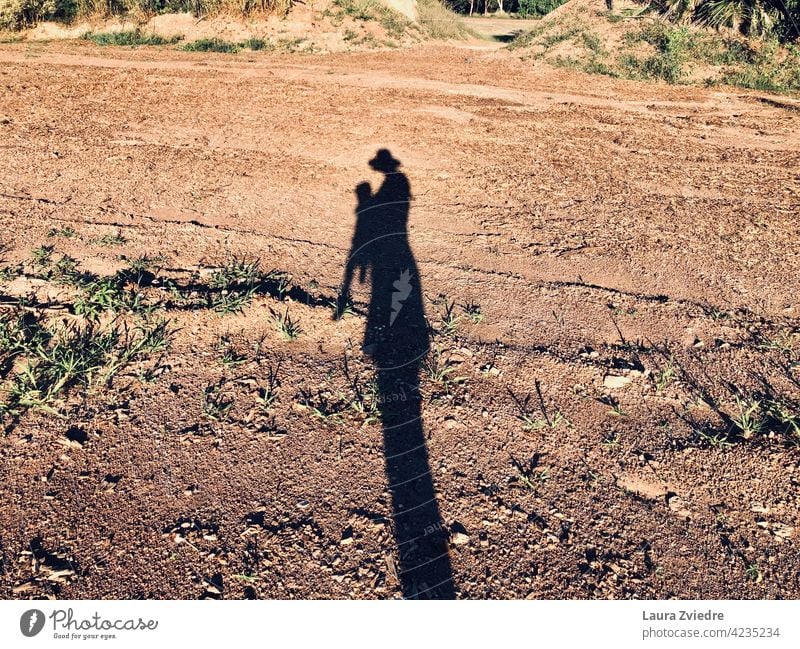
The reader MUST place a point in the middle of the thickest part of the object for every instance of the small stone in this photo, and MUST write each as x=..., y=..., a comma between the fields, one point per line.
x=614, y=382
x=347, y=536
x=459, y=538
x=678, y=505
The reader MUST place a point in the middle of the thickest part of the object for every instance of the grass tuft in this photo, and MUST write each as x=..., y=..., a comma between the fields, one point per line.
x=211, y=45
x=131, y=38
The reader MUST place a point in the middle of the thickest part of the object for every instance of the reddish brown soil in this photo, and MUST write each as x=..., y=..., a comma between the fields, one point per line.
x=604, y=228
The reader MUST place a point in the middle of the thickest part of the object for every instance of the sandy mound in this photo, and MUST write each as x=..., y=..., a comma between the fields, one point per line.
x=319, y=26
x=633, y=42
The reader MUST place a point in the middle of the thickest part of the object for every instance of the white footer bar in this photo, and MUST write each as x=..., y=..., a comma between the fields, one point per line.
x=453, y=625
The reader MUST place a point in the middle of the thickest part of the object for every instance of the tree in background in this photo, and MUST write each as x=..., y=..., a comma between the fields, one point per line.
x=759, y=18
x=533, y=8
x=538, y=7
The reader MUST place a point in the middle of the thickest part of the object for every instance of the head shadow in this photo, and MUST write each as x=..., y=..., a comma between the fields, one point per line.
x=396, y=338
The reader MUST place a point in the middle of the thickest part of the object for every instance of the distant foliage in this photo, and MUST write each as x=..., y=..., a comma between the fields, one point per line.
x=533, y=8
x=538, y=7
x=760, y=18
x=18, y=14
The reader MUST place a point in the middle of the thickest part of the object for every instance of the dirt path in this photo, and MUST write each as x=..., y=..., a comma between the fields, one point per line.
x=633, y=250
x=501, y=30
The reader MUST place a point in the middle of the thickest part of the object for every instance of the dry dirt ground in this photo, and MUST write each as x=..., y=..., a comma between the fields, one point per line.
x=609, y=408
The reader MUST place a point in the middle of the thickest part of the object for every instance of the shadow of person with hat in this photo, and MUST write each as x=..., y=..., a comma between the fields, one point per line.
x=396, y=339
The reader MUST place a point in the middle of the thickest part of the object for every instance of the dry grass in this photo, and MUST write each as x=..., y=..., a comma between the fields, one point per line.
x=17, y=14
x=439, y=23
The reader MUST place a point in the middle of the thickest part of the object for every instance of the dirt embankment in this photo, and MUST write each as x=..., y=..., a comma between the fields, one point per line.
x=317, y=26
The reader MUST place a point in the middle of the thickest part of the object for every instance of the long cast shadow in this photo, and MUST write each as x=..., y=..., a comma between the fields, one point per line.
x=396, y=338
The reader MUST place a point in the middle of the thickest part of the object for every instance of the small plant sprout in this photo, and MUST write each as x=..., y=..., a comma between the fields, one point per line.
x=236, y=284
x=473, y=311
x=288, y=328
x=557, y=419
x=783, y=342
x=42, y=256
x=785, y=416
x=715, y=439
x=747, y=418
x=113, y=239
x=365, y=402
x=664, y=377
x=341, y=307
x=532, y=422
x=615, y=407
x=142, y=264
x=530, y=475
x=229, y=355
x=610, y=440
x=232, y=301
x=450, y=320
x=65, y=271
x=283, y=282
x=67, y=232
x=754, y=573
x=236, y=272
x=324, y=406
x=537, y=423
x=440, y=369
x=7, y=273
x=268, y=395
x=718, y=314
x=216, y=406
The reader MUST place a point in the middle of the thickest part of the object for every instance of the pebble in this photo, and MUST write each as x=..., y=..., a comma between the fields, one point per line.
x=613, y=382
x=459, y=538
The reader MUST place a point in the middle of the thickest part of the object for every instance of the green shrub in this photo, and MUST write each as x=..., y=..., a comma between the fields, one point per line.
x=714, y=49
x=592, y=42
x=667, y=64
x=537, y=8
x=211, y=45
x=256, y=44
x=771, y=69
x=129, y=38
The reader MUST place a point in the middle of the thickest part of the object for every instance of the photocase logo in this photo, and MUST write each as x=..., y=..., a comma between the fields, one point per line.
x=31, y=622
x=402, y=289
